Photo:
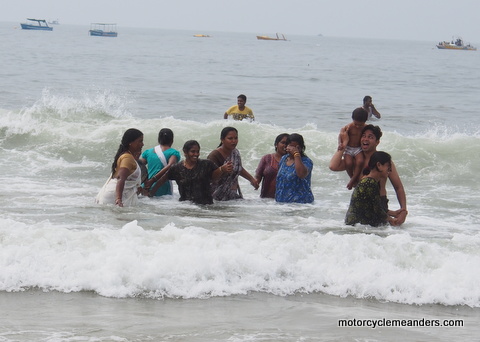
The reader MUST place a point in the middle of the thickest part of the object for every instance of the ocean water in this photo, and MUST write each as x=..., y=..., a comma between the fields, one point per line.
x=249, y=270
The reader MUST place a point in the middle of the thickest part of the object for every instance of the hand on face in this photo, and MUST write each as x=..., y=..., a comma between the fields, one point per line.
x=292, y=149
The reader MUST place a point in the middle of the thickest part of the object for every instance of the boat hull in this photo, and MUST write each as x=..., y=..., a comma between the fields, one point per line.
x=36, y=27
x=100, y=33
x=453, y=47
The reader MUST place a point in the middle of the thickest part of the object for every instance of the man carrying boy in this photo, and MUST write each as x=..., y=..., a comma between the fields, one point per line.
x=369, y=141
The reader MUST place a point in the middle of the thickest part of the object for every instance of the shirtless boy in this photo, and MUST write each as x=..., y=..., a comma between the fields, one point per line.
x=349, y=140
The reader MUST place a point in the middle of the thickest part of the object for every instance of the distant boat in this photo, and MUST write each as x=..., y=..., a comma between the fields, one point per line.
x=279, y=36
x=201, y=35
x=36, y=24
x=54, y=22
x=455, y=44
x=103, y=30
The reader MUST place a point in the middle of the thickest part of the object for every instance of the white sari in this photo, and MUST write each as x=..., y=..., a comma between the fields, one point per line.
x=107, y=194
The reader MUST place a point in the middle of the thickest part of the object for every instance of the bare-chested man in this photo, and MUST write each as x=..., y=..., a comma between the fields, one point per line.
x=370, y=139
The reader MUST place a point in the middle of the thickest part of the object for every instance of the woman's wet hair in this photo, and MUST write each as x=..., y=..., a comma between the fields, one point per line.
x=377, y=157
x=189, y=144
x=165, y=137
x=129, y=136
x=279, y=138
x=225, y=131
x=299, y=140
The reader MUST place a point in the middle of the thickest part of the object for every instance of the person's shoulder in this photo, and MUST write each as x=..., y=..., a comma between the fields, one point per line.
x=232, y=108
x=148, y=152
x=307, y=160
x=267, y=157
x=214, y=155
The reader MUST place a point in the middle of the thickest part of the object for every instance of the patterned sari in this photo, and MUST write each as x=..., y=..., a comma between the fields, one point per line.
x=226, y=187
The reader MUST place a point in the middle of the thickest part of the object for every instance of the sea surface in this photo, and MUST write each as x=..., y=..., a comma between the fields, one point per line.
x=247, y=270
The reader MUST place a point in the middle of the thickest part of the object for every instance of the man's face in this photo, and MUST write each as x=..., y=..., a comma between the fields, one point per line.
x=369, y=141
x=240, y=102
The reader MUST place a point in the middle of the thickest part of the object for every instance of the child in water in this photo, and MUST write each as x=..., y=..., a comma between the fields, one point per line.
x=349, y=141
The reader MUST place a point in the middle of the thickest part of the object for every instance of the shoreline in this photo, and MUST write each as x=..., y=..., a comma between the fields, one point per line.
x=34, y=314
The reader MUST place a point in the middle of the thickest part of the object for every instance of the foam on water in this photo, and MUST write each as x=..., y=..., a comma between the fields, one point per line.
x=194, y=262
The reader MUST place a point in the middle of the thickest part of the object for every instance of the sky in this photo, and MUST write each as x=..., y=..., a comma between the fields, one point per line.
x=424, y=20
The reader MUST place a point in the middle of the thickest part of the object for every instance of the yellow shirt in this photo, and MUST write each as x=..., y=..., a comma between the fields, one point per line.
x=240, y=114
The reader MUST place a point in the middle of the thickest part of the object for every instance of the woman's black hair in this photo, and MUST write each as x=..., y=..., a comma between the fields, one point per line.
x=129, y=136
x=298, y=139
x=279, y=138
x=165, y=137
x=189, y=144
x=377, y=157
x=225, y=132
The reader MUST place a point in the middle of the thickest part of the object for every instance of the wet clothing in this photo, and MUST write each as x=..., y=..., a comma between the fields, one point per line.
x=108, y=192
x=366, y=204
x=290, y=187
x=238, y=114
x=267, y=171
x=194, y=184
x=226, y=187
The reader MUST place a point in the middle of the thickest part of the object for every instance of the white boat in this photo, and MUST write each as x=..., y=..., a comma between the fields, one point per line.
x=455, y=44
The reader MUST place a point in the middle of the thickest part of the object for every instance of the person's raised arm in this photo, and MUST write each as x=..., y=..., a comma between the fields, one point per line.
x=375, y=112
x=337, y=163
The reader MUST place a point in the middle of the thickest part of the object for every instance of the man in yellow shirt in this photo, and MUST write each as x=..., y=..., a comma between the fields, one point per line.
x=240, y=111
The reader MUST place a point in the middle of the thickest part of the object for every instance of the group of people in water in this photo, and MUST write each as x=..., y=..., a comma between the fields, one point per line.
x=284, y=175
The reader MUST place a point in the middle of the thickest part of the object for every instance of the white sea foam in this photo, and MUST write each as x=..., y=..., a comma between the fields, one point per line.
x=194, y=262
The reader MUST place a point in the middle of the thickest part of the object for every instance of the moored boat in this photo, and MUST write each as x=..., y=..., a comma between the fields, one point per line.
x=455, y=44
x=103, y=30
x=279, y=36
x=36, y=24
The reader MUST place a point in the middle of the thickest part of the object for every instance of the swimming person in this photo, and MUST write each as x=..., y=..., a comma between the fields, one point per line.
x=124, y=182
x=240, y=111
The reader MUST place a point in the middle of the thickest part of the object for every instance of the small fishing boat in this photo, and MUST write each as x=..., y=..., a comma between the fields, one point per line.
x=279, y=36
x=456, y=44
x=103, y=30
x=201, y=35
x=54, y=22
x=36, y=24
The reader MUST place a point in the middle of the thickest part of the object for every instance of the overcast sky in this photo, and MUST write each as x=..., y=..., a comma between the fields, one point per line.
x=433, y=20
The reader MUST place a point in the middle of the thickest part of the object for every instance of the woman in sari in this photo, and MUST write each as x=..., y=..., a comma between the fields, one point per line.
x=268, y=167
x=159, y=159
x=226, y=187
x=123, y=185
